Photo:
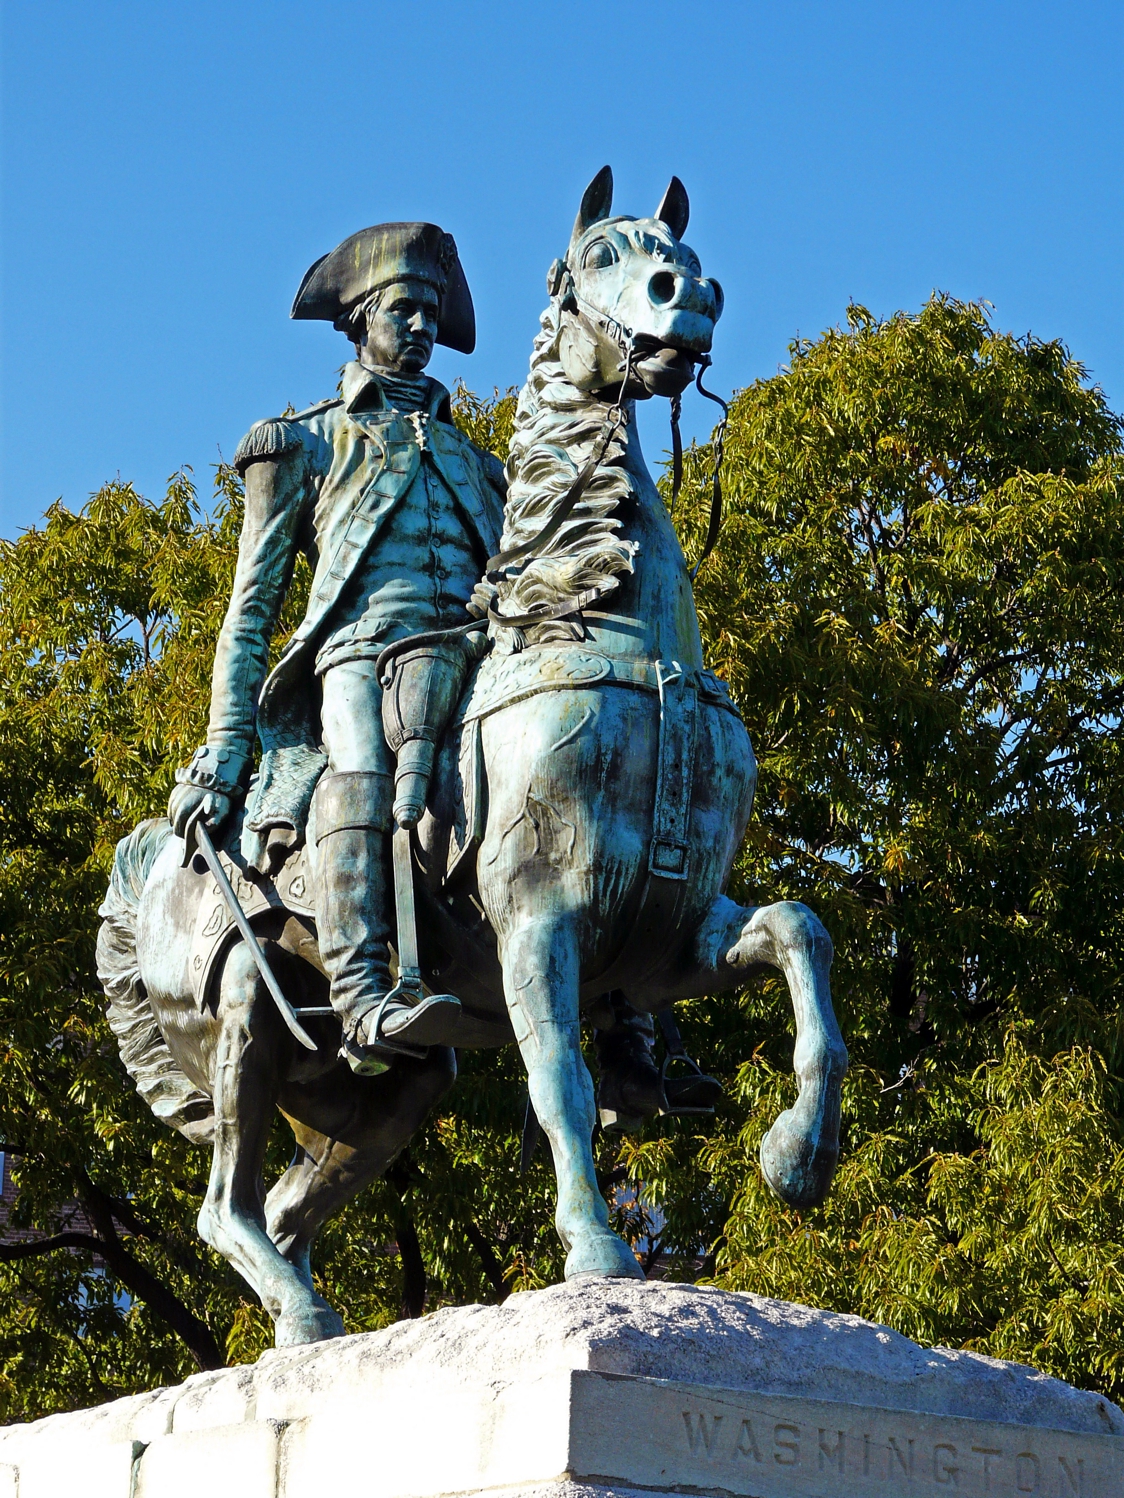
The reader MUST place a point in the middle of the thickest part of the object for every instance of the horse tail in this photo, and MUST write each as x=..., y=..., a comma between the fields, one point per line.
x=170, y=1095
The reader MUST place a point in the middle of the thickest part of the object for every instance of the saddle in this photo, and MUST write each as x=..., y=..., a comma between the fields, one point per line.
x=283, y=900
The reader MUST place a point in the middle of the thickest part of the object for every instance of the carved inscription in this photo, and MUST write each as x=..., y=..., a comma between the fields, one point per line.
x=880, y=1461
x=669, y=1437
x=702, y=1430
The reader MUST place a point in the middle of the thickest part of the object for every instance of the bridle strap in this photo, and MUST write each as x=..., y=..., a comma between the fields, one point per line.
x=614, y=419
x=550, y=611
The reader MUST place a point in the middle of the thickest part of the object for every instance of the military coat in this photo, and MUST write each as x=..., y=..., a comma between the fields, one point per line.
x=338, y=471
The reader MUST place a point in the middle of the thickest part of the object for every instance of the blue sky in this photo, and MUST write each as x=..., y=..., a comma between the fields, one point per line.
x=170, y=170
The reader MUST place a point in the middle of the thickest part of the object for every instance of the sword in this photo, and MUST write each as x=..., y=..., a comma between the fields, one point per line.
x=195, y=834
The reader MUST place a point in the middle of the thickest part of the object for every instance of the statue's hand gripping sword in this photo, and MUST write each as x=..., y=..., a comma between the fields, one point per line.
x=196, y=838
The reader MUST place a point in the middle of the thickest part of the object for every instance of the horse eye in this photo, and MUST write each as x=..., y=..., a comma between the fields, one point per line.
x=599, y=255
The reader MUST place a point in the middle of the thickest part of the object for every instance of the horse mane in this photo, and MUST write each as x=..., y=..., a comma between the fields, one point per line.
x=555, y=428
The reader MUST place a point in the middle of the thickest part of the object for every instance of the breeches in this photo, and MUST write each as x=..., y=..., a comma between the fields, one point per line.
x=351, y=719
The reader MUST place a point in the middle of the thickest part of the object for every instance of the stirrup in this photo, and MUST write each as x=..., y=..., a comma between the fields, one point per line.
x=691, y=1096
x=405, y=999
x=366, y=1060
x=695, y=1095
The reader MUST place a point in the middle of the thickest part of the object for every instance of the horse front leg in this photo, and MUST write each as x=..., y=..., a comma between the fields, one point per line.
x=541, y=974
x=800, y=1152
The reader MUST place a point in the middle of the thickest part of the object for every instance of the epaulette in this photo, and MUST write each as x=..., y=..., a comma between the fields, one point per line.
x=335, y=400
x=266, y=439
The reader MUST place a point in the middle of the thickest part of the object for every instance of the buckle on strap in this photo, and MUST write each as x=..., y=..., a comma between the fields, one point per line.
x=669, y=856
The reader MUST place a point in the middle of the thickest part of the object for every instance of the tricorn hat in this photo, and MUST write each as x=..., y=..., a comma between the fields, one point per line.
x=379, y=256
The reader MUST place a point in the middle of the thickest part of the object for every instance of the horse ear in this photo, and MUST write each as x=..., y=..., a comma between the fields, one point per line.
x=597, y=202
x=675, y=208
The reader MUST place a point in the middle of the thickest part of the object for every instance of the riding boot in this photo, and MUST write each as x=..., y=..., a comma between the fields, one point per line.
x=629, y=1088
x=351, y=818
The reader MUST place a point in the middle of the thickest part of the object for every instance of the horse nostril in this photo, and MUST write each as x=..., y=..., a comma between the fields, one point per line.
x=661, y=288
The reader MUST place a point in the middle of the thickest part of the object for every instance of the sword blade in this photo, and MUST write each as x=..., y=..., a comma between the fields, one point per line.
x=246, y=931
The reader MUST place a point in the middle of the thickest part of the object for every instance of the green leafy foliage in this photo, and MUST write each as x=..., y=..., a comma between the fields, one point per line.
x=917, y=602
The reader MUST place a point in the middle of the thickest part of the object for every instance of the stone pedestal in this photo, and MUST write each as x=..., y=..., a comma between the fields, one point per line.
x=590, y=1390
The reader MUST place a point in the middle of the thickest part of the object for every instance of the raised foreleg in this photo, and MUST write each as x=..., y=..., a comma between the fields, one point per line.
x=800, y=1151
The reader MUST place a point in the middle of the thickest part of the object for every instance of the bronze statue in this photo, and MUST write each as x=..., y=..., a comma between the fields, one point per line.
x=398, y=513
x=570, y=789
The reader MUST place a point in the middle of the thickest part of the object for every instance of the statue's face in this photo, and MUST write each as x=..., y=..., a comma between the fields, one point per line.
x=402, y=328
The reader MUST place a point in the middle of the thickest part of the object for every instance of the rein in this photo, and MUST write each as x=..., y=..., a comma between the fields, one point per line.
x=615, y=418
x=715, y=523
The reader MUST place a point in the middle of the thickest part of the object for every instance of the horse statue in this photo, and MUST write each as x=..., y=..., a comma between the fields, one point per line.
x=586, y=804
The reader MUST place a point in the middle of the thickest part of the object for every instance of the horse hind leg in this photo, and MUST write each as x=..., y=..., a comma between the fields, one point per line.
x=251, y=1050
x=348, y=1129
x=541, y=968
x=800, y=1151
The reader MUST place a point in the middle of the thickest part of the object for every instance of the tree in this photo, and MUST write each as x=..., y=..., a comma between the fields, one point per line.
x=916, y=600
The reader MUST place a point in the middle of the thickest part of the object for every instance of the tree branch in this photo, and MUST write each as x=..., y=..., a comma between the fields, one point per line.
x=413, y=1268
x=139, y=1280
x=36, y=1246
x=493, y=1269
x=993, y=665
x=414, y=1282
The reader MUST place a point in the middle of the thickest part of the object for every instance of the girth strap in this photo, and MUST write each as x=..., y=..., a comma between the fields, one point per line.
x=668, y=882
x=678, y=714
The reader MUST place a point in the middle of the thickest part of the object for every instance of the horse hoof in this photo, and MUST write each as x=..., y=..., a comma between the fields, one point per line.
x=796, y=1167
x=603, y=1254
x=315, y=1323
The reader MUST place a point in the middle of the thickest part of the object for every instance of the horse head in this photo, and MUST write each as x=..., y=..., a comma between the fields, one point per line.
x=632, y=280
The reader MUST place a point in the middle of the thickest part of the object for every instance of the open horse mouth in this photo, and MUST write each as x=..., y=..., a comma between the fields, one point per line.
x=662, y=369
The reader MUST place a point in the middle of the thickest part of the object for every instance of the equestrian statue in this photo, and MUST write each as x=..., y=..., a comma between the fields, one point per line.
x=496, y=791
